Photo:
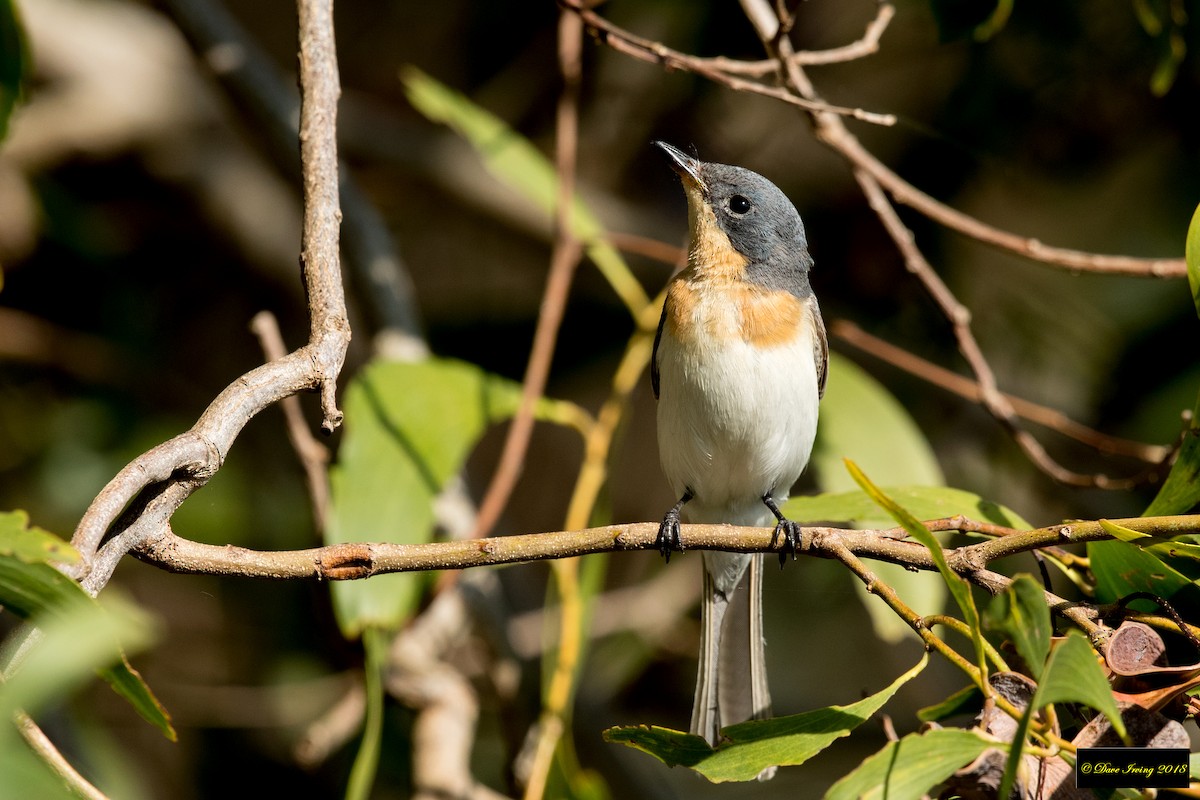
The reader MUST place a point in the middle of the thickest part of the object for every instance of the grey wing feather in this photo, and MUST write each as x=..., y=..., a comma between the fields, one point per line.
x=820, y=345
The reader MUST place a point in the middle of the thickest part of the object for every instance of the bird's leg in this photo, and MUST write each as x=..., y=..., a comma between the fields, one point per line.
x=788, y=529
x=668, y=532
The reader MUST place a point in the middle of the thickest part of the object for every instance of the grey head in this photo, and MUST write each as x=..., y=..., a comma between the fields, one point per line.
x=760, y=221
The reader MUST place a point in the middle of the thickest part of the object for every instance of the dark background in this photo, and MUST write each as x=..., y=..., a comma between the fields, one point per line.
x=142, y=230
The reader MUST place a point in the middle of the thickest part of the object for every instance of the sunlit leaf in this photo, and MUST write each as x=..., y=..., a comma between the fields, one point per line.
x=409, y=428
x=966, y=699
x=31, y=543
x=862, y=421
x=1074, y=675
x=923, y=502
x=72, y=645
x=1192, y=254
x=907, y=769
x=513, y=160
x=1020, y=613
x=42, y=592
x=1180, y=553
x=960, y=590
x=750, y=747
x=1123, y=568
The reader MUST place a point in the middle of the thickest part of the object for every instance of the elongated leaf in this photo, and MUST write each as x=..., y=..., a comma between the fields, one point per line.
x=969, y=698
x=1020, y=613
x=1180, y=553
x=514, y=161
x=1073, y=675
x=862, y=421
x=1192, y=254
x=38, y=590
x=30, y=543
x=910, y=767
x=72, y=645
x=409, y=427
x=751, y=747
x=923, y=502
x=1180, y=492
x=960, y=590
x=1122, y=568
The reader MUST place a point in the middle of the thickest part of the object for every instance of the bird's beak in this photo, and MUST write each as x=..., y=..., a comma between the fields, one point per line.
x=687, y=167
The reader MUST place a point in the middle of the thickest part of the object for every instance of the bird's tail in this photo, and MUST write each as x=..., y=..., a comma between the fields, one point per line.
x=731, y=681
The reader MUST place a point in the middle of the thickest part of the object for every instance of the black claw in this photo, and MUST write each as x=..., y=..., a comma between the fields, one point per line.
x=790, y=531
x=669, y=536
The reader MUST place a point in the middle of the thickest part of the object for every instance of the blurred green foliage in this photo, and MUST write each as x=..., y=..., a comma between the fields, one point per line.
x=140, y=236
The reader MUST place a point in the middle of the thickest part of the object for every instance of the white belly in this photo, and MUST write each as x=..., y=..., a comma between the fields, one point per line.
x=734, y=423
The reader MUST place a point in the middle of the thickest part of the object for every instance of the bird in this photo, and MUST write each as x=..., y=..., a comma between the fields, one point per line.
x=738, y=370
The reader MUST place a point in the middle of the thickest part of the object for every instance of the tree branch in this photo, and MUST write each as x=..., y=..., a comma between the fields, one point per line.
x=139, y=501
x=355, y=561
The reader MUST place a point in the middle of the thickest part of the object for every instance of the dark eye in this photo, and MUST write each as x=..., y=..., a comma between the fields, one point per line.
x=739, y=205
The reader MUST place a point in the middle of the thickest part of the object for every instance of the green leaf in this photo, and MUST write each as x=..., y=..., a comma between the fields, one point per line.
x=514, y=161
x=1180, y=492
x=923, y=502
x=967, y=699
x=1020, y=613
x=71, y=646
x=750, y=747
x=32, y=544
x=1178, y=553
x=42, y=592
x=1121, y=569
x=907, y=769
x=409, y=428
x=862, y=421
x=959, y=588
x=14, y=62
x=1074, y=675
x=1192, y=254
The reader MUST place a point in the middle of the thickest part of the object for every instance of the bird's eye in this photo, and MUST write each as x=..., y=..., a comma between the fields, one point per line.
x=739, y=205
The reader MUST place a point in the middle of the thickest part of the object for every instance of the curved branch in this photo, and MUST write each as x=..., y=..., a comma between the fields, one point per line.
x=841, y=140
x=185, y=463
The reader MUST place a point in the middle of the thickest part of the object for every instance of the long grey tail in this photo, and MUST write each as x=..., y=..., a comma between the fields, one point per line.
x=731, y=681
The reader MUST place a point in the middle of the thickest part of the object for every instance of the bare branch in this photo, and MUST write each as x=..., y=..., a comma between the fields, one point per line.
x=966, y=388
x=355, y=561
x=140, y=500
x=840, y=139
x=568, y=251
x=313, y=455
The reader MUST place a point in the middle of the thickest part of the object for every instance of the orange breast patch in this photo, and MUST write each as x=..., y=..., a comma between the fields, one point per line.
x=727, y=310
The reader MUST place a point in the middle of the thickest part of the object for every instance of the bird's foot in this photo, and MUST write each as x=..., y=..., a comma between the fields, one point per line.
x=791, y=532
x=669, y=536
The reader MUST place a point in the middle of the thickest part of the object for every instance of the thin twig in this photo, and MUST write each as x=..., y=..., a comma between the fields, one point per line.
x=568, y=251
x=840, y=139
x=966, y=388
x=713, y=69
x=313, y=455
x=53, y=757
